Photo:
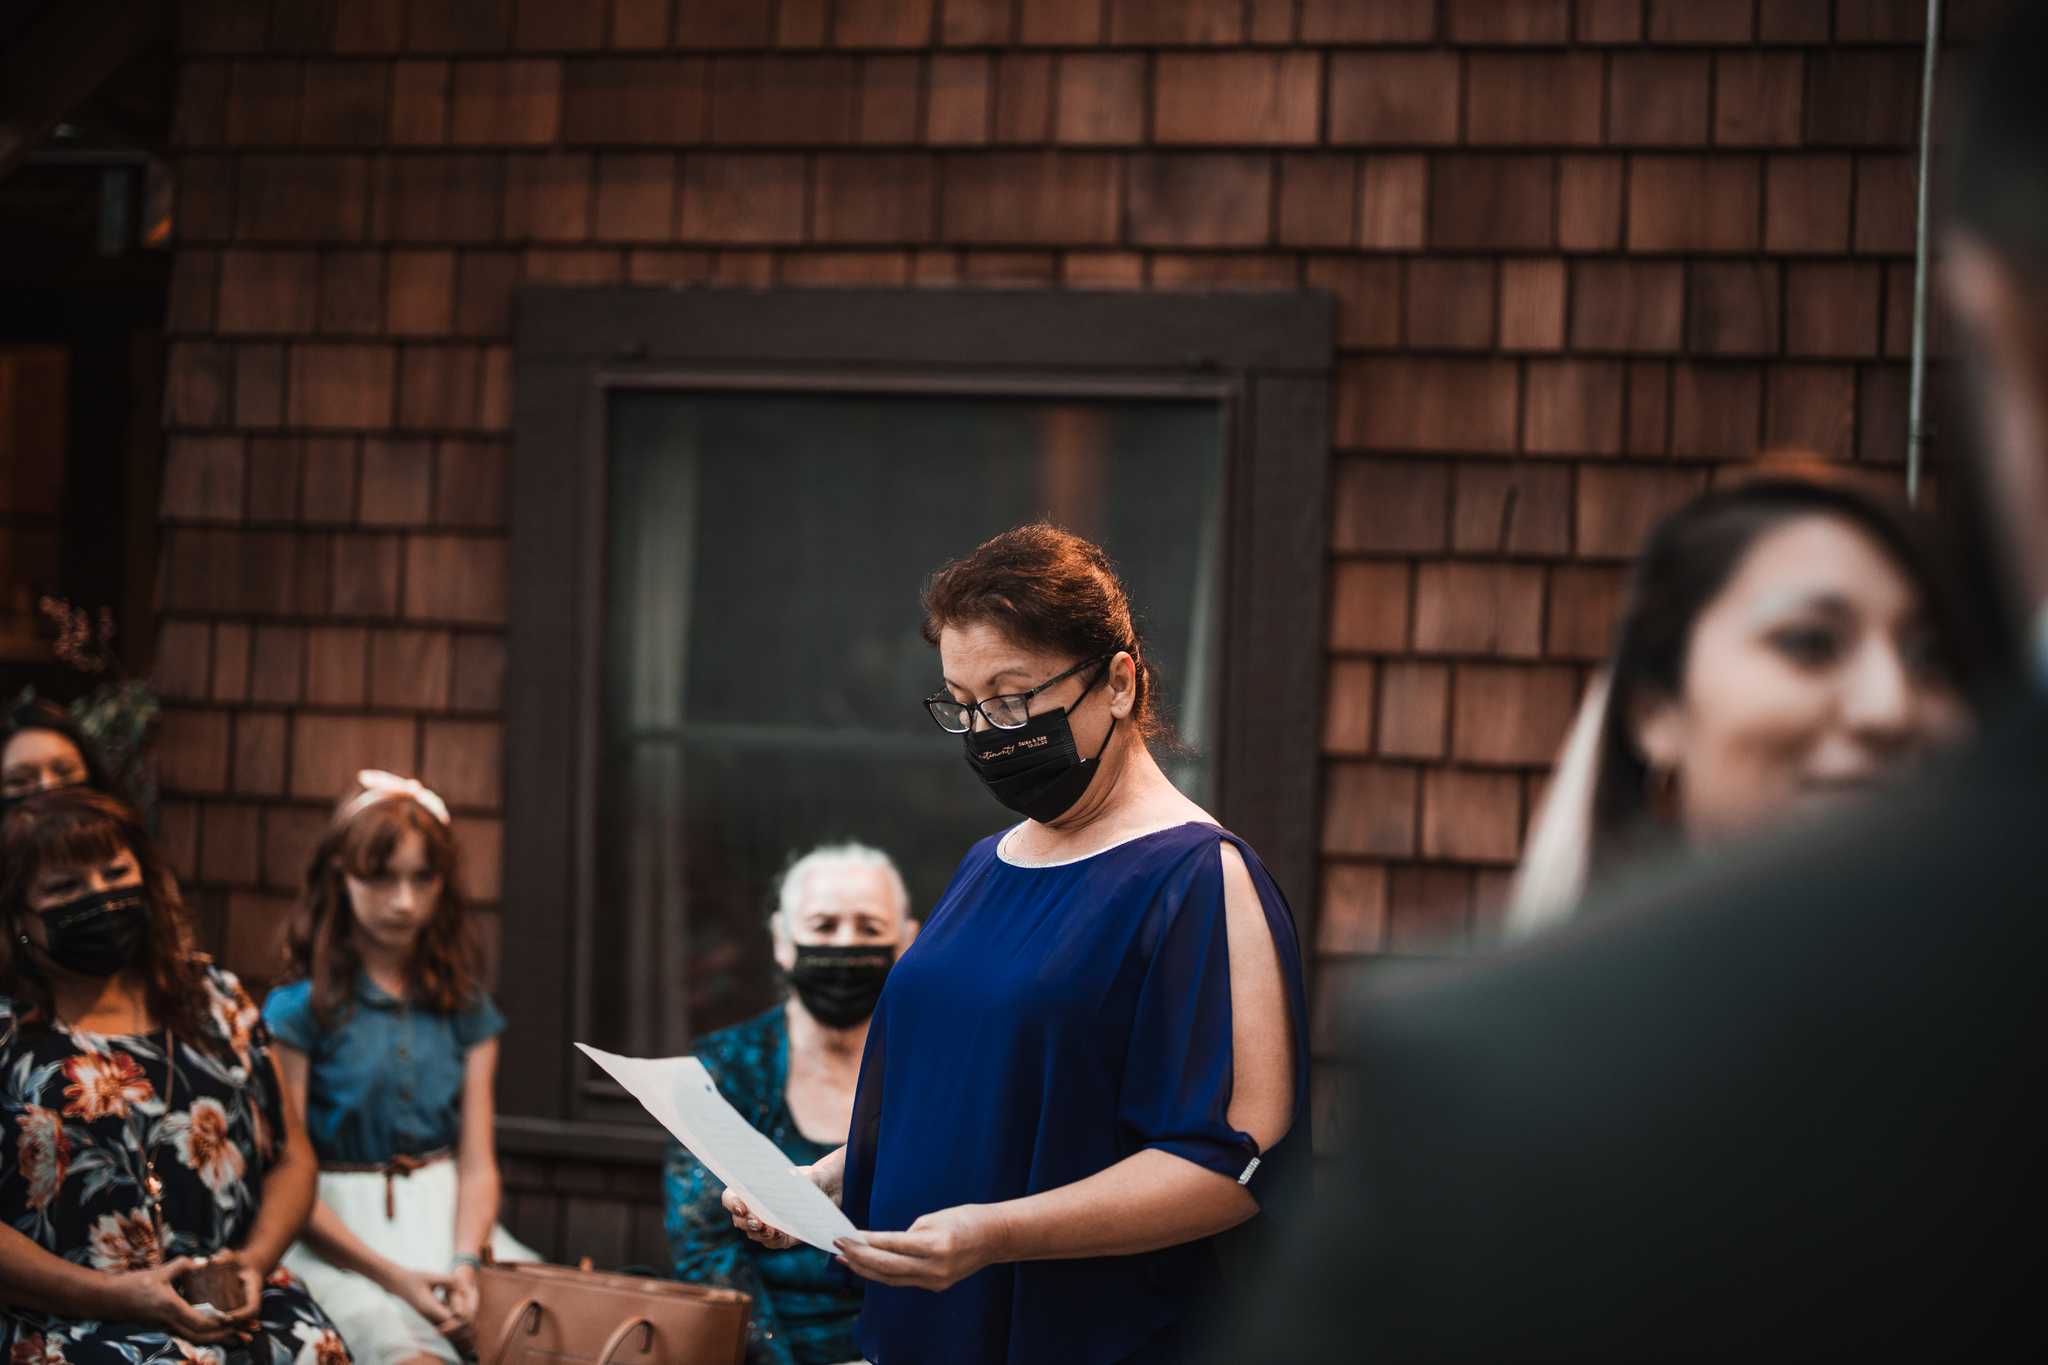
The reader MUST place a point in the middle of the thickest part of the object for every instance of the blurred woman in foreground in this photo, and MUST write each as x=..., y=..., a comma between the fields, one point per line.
x=1787, y=642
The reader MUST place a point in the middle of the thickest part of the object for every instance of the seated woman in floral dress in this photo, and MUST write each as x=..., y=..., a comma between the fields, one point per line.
x=142, y=1132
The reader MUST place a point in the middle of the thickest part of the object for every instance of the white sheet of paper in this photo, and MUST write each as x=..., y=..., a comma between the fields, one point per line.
x=681, y=1094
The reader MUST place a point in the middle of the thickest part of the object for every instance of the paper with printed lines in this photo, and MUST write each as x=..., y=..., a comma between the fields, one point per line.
x=680, y=1093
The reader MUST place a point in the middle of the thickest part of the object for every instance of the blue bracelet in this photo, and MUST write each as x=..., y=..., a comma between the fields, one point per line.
x=463, y=1259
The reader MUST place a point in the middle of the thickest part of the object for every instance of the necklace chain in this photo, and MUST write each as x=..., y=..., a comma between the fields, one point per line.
x=151, y=1185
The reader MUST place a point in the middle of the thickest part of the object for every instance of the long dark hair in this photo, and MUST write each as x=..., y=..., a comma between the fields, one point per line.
x=1048, y=589
x=444, y=973
x=38, y=714
x=78, y=826
x=1688, y=561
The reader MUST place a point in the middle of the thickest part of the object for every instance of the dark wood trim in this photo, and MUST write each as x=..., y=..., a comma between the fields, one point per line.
x=1279, y=513
x=542, y=707
x=624, y=1144
x=946, y=329
x=1265, y=357
x=69, y=52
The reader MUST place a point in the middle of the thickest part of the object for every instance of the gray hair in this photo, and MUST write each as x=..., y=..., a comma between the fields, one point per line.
x=849, y=854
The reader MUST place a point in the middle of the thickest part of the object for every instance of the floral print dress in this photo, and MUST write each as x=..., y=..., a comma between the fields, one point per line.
x=81, y=1116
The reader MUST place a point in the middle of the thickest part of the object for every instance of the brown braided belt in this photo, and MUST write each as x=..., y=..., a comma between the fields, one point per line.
x=393, y=1170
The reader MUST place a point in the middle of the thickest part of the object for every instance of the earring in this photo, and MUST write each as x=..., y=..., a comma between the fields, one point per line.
x=1661, y=791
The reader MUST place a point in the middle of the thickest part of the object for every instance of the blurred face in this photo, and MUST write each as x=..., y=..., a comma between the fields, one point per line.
x=1810, y=676
x=841, y=905
x=392, y=905
x=61, y=885
x=40, y=760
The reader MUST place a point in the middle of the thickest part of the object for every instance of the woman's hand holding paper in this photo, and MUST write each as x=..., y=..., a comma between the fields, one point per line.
x=826, y=1175
x=940, y=1249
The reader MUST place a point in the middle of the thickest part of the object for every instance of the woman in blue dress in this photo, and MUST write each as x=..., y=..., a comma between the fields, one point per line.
x=1078, y=1075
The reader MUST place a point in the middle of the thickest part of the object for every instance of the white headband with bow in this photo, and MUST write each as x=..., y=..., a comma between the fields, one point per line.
x=379, y=785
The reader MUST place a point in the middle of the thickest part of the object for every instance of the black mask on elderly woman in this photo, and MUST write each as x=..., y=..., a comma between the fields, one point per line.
x=840, y=984
x=1035, y=769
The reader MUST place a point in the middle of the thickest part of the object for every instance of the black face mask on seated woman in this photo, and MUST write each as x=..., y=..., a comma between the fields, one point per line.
x=1035, y=769
x=839, y=984
x=96, y=934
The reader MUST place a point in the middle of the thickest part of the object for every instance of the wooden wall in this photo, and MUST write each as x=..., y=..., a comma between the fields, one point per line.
x=1587, y=251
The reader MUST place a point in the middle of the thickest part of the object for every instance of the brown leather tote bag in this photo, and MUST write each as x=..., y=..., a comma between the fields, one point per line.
x=533, y=1314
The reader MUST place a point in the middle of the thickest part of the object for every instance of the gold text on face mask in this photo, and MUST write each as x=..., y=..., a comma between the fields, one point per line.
x=993, y=754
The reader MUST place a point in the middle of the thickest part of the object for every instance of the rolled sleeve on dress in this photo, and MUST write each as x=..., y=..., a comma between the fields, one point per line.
x=288, y=1013
x=479, y=1023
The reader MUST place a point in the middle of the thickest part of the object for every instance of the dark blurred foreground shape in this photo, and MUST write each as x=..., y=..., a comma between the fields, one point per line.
x=1779, y=1105
x=1779, y=1109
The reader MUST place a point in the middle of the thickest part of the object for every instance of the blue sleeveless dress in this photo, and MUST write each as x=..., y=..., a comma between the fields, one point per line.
x=1047, y=1023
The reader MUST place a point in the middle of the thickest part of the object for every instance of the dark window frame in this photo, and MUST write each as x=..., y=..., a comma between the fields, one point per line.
x=1266, y=357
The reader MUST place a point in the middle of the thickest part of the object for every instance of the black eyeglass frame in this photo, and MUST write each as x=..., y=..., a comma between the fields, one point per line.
x=1023, y=699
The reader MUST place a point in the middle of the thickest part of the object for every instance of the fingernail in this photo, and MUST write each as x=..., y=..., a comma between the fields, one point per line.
x=754, y=1223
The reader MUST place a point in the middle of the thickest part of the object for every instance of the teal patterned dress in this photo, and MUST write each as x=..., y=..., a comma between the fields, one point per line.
x=81, y=1114
x=804, y=1305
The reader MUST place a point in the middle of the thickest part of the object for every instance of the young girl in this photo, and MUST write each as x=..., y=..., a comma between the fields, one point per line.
x=389, y=1045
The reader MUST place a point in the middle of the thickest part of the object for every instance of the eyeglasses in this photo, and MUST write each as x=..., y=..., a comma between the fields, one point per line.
x=1010, y=711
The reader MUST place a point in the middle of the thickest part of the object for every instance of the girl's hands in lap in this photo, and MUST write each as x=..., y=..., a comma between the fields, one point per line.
x=463, y=1298
x=422, y=1291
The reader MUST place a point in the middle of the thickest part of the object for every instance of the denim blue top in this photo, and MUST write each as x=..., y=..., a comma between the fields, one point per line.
x=804, y=1305
x=387, y=1079
x=1047, y=1023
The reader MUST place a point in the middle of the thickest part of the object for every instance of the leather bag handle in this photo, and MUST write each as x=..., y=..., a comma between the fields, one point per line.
x=510, y=1328
x=619, y=1335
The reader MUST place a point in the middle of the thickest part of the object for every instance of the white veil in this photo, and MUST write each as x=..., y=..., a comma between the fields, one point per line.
x=1552, y=877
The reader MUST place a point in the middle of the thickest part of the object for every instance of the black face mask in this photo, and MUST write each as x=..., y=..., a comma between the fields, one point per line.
x=840, y=985
x=99, y=934
x=1035, y=769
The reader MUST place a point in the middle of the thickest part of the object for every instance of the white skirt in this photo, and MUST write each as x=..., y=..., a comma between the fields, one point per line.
x=380, y=1329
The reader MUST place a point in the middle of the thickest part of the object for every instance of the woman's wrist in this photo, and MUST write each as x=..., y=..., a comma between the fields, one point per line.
x=386, y=1274
x=87, y=1295
x=998, y=1235
x=260, y=1256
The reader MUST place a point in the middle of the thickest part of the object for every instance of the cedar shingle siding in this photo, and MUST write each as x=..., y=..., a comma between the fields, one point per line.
x=1584, y=252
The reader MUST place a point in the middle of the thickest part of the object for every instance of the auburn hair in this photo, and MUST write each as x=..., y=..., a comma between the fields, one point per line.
x=444, y=973
x=82, y=827
x=1047, y=589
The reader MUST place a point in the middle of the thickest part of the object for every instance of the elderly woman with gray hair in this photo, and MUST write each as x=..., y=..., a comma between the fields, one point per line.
x=842, y=918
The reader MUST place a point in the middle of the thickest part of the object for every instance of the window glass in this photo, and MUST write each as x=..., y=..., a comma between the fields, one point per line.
x=763, y=669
